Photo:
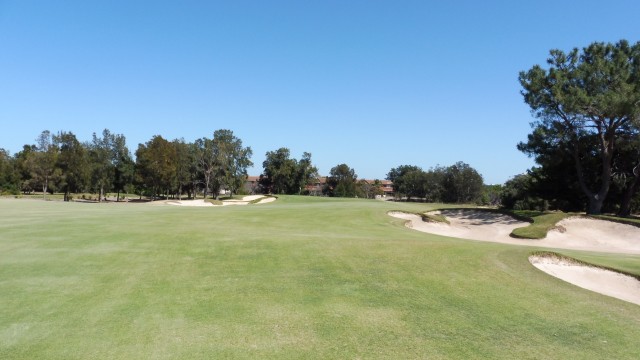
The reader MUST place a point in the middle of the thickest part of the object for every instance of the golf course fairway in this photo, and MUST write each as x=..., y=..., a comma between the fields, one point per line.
x=298, y=278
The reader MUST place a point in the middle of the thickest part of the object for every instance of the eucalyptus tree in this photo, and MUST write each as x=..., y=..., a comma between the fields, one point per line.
x=306, y=172
x=42, y=162
x=583, y=93
x=102, y=162
x=124, y=166
x=206, y=160
x=72, y=162
x=23, y=165
x=183, y=162
x=231, y=160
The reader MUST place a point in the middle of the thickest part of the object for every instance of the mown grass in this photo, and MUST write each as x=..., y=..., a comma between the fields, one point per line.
x=541, y=223
x=298, y=278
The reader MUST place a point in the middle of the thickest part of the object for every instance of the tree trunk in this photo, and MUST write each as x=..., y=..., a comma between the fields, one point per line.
x=625, y=205
x=118, y=196
x=595, y=200
x=101, y=193
x=595, y=205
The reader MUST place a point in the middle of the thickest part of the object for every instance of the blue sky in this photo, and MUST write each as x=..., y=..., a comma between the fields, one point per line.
x=373, y=84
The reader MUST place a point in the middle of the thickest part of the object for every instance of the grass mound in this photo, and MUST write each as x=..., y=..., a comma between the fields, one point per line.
x=541, y=223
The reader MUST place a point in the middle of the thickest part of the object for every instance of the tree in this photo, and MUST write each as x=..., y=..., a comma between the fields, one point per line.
x=102, y=157
x=42, y=162
x=155, y=164
x=279, y=172
x=462, y=184
x=23, y=165
x=284, y=175
x=9, y=180
x=369, y=189
x=183, y=165
x=72, y=162
x=397, y=176
x=232, y=161
x=206, y=160
x=590, y=93
x=124, y=166
x=555, y=179
x=342, y=181
x=306, y=172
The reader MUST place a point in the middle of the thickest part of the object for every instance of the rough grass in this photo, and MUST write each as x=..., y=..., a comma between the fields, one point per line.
x=298, y=278
x=633, y=221
x=214, y=202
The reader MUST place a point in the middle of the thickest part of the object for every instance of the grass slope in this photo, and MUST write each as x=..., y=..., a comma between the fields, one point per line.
x=298, y=278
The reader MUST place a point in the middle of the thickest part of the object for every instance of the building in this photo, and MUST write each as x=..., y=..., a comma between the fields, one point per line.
x=252, y=186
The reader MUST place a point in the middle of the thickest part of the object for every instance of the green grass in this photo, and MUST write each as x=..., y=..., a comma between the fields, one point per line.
x=302, y=277
x=542, y=222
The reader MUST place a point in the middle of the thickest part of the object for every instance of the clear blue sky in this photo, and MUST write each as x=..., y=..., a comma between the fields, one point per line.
x=373, y=84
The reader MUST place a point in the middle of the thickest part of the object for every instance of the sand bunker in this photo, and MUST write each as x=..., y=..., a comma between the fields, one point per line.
x=572, y=233
x=576, y=234
x=466, y=224
x=592, y=278
x=201, y=202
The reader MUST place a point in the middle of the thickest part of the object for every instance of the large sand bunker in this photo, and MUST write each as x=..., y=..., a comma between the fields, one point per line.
x=201, y=202
x=571, y=233
x=592, y=278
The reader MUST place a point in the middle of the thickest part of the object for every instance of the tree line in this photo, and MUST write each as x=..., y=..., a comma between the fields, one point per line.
x=176, y=168
x=458, y=183
x=61, y=163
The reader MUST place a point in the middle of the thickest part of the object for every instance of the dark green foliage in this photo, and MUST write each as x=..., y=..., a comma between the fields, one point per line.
x=341, y=182
x=587, y=102
x=400, y=180
x=519, y=194
x=462, y=184
x=9, y=177
x=232, y=161
x=458, y=183
x=73, y=163
x=124, y=166
x=155, y=164
x=184, y=160
x=285, y=175
x=491, y=195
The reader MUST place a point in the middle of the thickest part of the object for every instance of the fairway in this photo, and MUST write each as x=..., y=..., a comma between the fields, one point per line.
x=298, y=278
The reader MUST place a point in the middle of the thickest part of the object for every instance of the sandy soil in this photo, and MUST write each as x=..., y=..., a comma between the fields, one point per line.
x=577, y=233
x=572, y=233
x=200, y=202
x=602, y=281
